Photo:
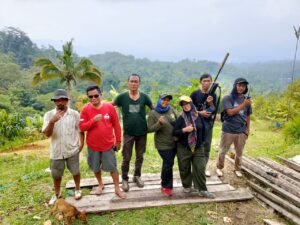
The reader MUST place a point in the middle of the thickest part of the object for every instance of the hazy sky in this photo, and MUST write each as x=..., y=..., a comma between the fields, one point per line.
x=169, y=30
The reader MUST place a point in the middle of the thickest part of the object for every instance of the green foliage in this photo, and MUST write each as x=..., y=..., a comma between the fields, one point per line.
x=11, y=125
x=67, y=70
x=292, y=130
x=16, y=42
x=9, y=70
x=278, y=107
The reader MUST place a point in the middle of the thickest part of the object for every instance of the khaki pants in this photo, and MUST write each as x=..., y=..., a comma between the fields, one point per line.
x=239, y=141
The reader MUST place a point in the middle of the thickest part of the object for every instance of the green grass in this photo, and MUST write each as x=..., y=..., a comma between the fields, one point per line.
x=25, y=187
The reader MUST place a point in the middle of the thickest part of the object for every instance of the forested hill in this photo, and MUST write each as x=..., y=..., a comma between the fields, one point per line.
x=156, y=75
x=265, y=77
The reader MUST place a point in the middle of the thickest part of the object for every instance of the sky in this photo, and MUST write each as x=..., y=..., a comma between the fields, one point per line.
x=165, y=30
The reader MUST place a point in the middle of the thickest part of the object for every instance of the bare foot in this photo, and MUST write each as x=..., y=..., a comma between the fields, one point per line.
x=99, y=190
x=121, y=194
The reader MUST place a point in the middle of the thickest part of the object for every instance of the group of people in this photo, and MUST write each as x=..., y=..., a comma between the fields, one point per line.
x=187, y=135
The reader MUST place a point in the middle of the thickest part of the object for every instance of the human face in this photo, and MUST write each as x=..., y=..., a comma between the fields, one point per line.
x=240, y=88
x=186, y=106
x=61, y=104
x=205, y=83
x=94, y=97
x=165, y=102
x=133, y=83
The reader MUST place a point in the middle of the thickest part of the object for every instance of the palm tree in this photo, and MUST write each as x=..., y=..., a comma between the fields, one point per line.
x=67, y=70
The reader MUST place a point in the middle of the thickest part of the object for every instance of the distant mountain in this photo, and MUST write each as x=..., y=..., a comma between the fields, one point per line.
x=264, y=77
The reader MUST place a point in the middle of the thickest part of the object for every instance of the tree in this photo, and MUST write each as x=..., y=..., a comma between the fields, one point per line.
x=67, y=70
x=15, y=41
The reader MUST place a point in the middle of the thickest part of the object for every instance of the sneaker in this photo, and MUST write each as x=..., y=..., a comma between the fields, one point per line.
x=219, y=173
x=206, y=194
x=238, y=173
x=125, y=185
x=187, y=190
x=78, y=194
x=207, y=173
x=167, y=191
x=54, y=198
x=138, y=181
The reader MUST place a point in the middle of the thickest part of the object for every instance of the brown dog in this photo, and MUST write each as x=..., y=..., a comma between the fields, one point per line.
x=69, y=211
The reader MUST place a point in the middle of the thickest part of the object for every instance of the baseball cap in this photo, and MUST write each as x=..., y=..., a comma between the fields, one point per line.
x=59, y=94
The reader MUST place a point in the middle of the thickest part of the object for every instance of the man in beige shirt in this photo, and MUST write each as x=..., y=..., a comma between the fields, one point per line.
x=62, y=125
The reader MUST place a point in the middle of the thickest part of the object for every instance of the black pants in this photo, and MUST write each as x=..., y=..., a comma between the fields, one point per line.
x=207, y=139
x=140, y=148
x=167, y=167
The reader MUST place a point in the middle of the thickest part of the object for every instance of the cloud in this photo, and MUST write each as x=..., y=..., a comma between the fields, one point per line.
x=165, y=30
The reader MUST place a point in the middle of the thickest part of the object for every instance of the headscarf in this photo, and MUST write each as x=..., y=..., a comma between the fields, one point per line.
x=159, y=108
x=189, y=119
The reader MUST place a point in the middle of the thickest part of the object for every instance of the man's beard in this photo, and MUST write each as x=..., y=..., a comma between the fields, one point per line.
x=60, y=107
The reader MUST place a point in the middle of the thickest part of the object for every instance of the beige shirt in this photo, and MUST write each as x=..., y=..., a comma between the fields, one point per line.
x=65, y=137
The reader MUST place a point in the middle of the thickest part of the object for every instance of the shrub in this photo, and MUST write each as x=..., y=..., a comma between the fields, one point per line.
x=292, y=130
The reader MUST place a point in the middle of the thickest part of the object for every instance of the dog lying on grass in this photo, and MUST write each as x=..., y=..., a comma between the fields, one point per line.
x=68, y=211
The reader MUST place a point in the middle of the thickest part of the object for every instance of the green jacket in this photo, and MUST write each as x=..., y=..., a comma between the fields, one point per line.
x=163, y=136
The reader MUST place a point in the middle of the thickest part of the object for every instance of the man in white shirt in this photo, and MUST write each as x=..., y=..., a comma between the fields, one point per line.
x=62, y=125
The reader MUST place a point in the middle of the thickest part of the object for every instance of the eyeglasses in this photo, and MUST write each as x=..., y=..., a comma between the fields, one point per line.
x=93, y=96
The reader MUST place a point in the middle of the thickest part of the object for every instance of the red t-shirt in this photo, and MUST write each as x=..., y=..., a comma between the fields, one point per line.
x=103, y=134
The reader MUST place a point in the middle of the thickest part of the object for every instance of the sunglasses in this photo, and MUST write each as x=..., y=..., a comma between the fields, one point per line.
x=93, y=96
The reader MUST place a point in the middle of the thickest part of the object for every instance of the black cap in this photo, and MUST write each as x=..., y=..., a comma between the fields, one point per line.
x=164, y=95
x=241, y=81
x=60, y=94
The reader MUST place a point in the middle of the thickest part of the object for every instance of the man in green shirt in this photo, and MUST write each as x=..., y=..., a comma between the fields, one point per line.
x=133, y=104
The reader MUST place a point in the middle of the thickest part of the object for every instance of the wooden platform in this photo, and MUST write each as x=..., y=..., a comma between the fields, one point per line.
x=150, y=195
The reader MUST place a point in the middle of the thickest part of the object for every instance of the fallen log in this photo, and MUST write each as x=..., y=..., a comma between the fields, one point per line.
x=282, y=169
x=272, y=222
x=279, y=209
x=285, y=194
x=289, y=163
x=287, y=184
x=274, y=198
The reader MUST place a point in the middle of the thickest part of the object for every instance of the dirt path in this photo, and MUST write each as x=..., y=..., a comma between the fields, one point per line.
x=40, y=147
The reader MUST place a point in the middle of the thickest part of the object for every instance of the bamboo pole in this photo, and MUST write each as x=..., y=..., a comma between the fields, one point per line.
x=274, y=198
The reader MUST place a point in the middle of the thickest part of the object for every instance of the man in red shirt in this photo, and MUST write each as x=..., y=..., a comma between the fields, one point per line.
x=100, y=121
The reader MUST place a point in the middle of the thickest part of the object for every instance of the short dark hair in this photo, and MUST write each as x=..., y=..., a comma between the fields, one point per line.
x=205, y=75
x=93, y=87
x=134, y=75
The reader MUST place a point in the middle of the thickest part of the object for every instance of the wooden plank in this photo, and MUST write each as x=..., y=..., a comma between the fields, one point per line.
x=287, y=195
x=286, y=182
x=212, y=188
x=289, y=163
x=148, y=179
x=274, y=198
x=272, y=222
x=151, y=198
x=281, y=168
x=279, y=209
